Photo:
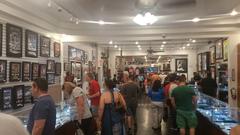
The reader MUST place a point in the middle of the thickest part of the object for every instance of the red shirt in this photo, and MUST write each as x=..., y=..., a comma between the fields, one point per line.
x=166, y=90
x=93, y=89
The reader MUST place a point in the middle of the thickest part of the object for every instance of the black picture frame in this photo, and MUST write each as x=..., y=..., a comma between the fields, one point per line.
x=181, y=65
x=13, y=41
x=18, y=96
x=58, y=68
x=1, y=31
x=212, y=54
x=51, y=78
x=28, y=94
x=51, y=66
x=43, y=71
x=26, y=71
x=3, y=71
x=199, y=62
x=225, y=49
x=35, y=71
x=6, y=98
x=31, y=44
x=57, y=49
x=15, y=71
x=45, y=44
x=219, y=49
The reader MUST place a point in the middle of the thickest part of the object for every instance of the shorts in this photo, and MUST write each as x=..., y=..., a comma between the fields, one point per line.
x=131, y=111
x=186, y=119
x=94, y=110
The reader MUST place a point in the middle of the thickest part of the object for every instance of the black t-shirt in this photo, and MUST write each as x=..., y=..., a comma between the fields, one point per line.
x=209, y=86
x=130, y=93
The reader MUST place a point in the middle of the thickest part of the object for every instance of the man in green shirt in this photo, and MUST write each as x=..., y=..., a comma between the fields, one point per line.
x=184, y=100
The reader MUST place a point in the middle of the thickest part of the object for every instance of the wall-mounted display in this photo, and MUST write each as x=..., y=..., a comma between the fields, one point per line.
x=50, y=66
x=3, y=71
x=51, y=78
x=212, y=54
x=205, y=61
x=31, y=44
x=67, y=67
x=14, y=41
x=75, y=54
x=27, y=94
x=166, y=67
x=76, y=69
x=45, y=43
x=181, y=65
x=26, y=71
x=6, y=98
x=219, y=49
x=43, y=71
x=225, y=49
x=1, y=26
x=57, y=49
x=15, y=71
x=35, y=69
x=57, y=68
x=199, y=60
x=18, y=96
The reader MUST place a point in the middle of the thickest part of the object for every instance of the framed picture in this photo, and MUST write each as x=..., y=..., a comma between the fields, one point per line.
x=6, y=98
x=45, y=46
x=66, y=67
x=3, y=71
x=57, y=49
x=18, y=96
x=212, y=54
x=50, y=66
x=15, y=71
x=219, y=49
x=225, y=49
x=213, y=72
x=51, y=78
x=35, y=69
x=31, y=44
x=181, y=65
x=27, y=94
x=1, y=31
x=199, y=60
x=57, y=68
x=43, y=71
x=76, y=69
x=14, y=41
x=26, y=71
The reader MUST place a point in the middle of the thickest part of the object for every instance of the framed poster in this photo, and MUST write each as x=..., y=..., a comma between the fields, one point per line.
x=76, y=69
x=18, y=96
x=66, y=67
x=57, y=68
x=1, y=31
x=15, y=71
x=204, y=61
x=27, y=94
x=50, y=66
x=43, y=71
x=35, y=69
x=14, y=41
x=6, y=98
x=225, y=49
x=26, y=71
x=57, y=49
x=212, y=54
x=199, y=60
x=51, y=78
x=3, y=71
x=45, y=43
x=219, y=49
x=31, y=44
x=181, y=65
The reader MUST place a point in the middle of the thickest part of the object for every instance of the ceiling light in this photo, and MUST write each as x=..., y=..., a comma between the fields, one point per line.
x=183, y=47
x=50, y=3
x=188, y=44
x=194, y=41
x=115, y=46
x=146, y=19
x=139, y=46
x=139, y=49
x=145, y=57
x=136, y=42
x=110, y=42
x=162, y=45
x=161, y=48
x=196, y=19
x=164, y=42
x=234, y=13
x=119, y=49
x=77, y=22
x=101, y=22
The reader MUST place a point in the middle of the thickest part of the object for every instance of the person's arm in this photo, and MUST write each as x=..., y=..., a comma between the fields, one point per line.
x=101, y=108
x=38, y=127
x=96, y=89
x=80, y=107
x=173, y=102
x=194, y=101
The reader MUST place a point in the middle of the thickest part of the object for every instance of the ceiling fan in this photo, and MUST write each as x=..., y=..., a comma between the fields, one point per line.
x=150, y=52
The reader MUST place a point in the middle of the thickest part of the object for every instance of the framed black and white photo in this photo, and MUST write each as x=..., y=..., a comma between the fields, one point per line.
x=3, y=71
x=31, y=44
x=212, y=54
x=15, y=71
x=26, y=71
x=50, y=66
x=35, y=69
x=57, y=68
x=181, y=65
x=14, y=41
x=57, y=49
x=51, y=78
x=18, y=96
x=43, y=71
x=6, y=98
x=45, y=43
x=219, y=49
x=225, y=49
x=199, y=62
x=1, y=31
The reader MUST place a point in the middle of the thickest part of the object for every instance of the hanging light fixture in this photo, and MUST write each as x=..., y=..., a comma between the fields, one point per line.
x=146, y=19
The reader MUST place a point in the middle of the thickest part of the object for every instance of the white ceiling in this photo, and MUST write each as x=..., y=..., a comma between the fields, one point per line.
x=174, y=20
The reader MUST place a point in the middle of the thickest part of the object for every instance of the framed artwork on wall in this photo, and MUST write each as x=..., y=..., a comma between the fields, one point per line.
x=18, y=96
x=204, y=61
x=50, y=66
x=31, y=44
x=26, y=71
x=1, y=31
x=3, y=71
x=181, y=65
x=51, y=78
x=57, y=68
x=57, y=49
x=199, y=60
x=45, y=43
x=67, y=67
x=219, y=49
x=6, y=98
x=225, y=49
x=76, y=69
x=14, y=41
x=35, y=69
x=43, y=71
x=212, y=54
x=15, y=71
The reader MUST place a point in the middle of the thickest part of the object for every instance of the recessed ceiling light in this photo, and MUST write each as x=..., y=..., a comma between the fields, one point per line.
x=115, y=46
x=110, y=42
x=196, y=19
x=139, y=46
x=101, y=22
x=234, y=13
x=161, y=48
x=50, y=3
x=188, y=44
x=77, y=22
x=183, y=47
x=164, y=42
x=136, y=42
x=162, y=45
x=194, y=41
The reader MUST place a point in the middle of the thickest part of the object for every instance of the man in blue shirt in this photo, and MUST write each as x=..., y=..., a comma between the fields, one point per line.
x=42, y=117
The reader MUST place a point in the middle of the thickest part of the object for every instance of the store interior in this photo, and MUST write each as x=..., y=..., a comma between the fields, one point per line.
x=48, y=38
